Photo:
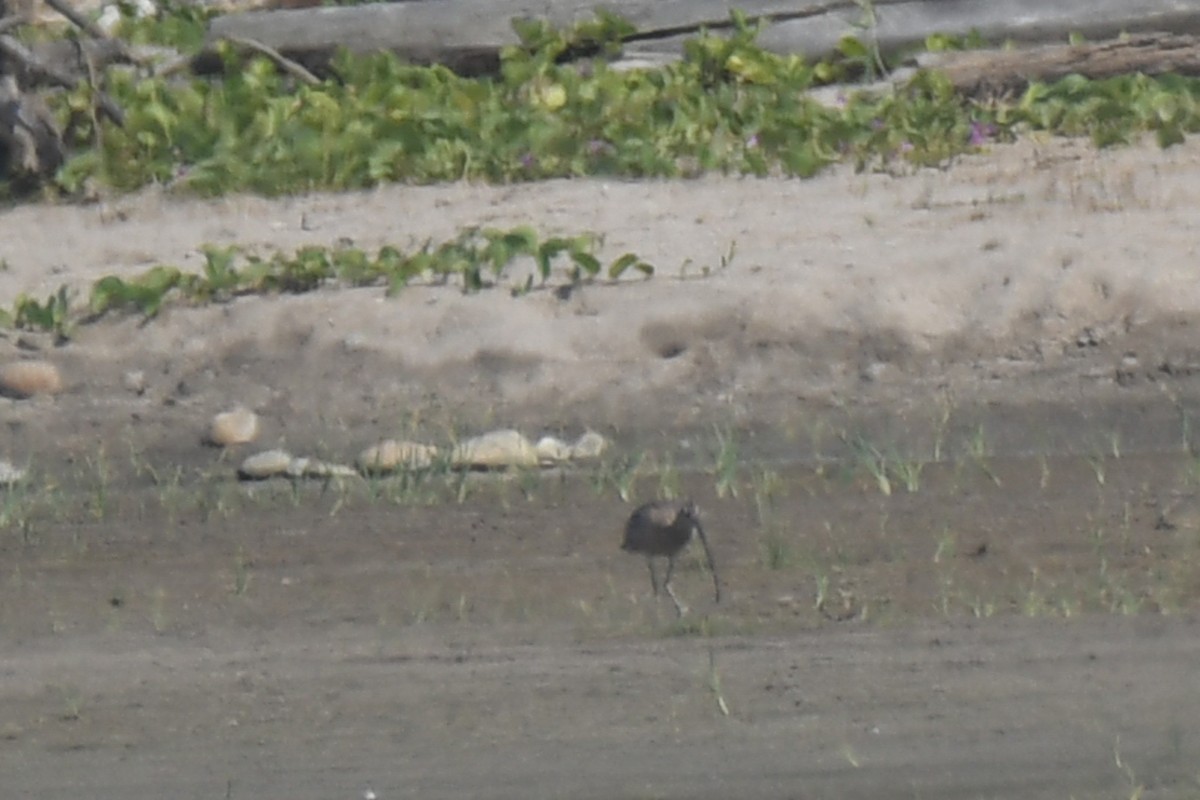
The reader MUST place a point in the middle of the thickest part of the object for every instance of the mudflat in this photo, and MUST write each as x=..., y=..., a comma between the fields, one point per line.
x=940, y=425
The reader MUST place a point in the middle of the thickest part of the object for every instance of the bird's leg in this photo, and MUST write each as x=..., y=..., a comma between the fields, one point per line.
x=654, y=575
x=680, y=608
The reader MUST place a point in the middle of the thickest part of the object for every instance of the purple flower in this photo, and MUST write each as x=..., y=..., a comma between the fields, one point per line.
x=528, y=161
x=752, y=142
x=598, y=147
x=981, y=133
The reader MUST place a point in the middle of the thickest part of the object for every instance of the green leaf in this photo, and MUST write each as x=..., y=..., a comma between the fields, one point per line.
x=108, y=292
x=628, y=261
x=547, y=252
x=851, y=48
x=585, y=261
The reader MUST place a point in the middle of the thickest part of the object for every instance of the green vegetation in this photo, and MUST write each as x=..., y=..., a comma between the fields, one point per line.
x=52, y=315
x=478, y=258
x=727, y=106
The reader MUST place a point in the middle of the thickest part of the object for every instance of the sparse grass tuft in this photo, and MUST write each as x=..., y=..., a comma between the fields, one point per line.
x=767, y=486
x=777, y=551
x=979, y=452
x=619, y=472
x=726, y=463
x=241, y=573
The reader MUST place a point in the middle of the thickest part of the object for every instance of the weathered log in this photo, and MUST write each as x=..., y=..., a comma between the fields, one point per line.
x=84, y=24
x=31, y=147
x=998, y=71
x=467, y=35
x=36, y=70
x=66, y=57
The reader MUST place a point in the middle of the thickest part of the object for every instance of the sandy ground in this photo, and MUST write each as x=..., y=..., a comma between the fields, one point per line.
x=1032, y=273
x=1021, y=624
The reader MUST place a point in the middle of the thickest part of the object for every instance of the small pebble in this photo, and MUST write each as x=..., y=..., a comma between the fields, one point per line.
x=590, y=445
x=502, y=448
x=392, y=454
x=10, y=474
x=304, y=467
x=266, y=464
x=22, y=379
x=134, y=381
x=238, y=426
x=552, y=450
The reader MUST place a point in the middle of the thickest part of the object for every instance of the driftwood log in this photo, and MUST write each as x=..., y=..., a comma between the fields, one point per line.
x=31, y=145
x=467, y=35
x=994, y=73
x=1001, y=71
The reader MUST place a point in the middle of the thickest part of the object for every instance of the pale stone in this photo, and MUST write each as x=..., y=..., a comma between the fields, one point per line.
x=304, y=467
x=21, y=379
x=590, y=445
x=502, y=448
x=552, y=450
x=392, y=454
x=298, y=466
x=265, y=465
x=1180, y=513
x=237, y=426
x=324, y=469
x=10, y=474
x=134, y=381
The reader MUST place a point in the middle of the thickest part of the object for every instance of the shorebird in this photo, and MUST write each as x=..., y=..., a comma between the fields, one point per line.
x=664, y=528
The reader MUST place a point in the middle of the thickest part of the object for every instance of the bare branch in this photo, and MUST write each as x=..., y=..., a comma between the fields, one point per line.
x=294, y=69
x=14, y=49
x=89, y=27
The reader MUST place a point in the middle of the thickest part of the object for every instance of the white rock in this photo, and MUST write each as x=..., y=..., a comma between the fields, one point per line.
x=23, y=379
x=298, y=466
x=392, y=454
x=237, y=426
x=502, y=448
x=10, y=475
x=265, y=465
x=552, y=450
x=110, y=16
x=304, y=467
x=590, y=445
x=323, y=469
x=134, y=381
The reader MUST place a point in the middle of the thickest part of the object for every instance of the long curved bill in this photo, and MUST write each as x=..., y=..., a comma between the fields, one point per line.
x=712, y=565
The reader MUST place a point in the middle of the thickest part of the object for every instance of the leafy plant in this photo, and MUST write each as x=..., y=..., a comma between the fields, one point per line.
x=52, y=315
x=181, y=25
x=479, y=258
x=144, y=293
x=728, y=105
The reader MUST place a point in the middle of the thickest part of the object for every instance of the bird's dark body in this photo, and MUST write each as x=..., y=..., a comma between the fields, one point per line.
x=662, y=528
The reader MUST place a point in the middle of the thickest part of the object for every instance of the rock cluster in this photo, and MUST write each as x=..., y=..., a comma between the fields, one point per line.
x=499, y=449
